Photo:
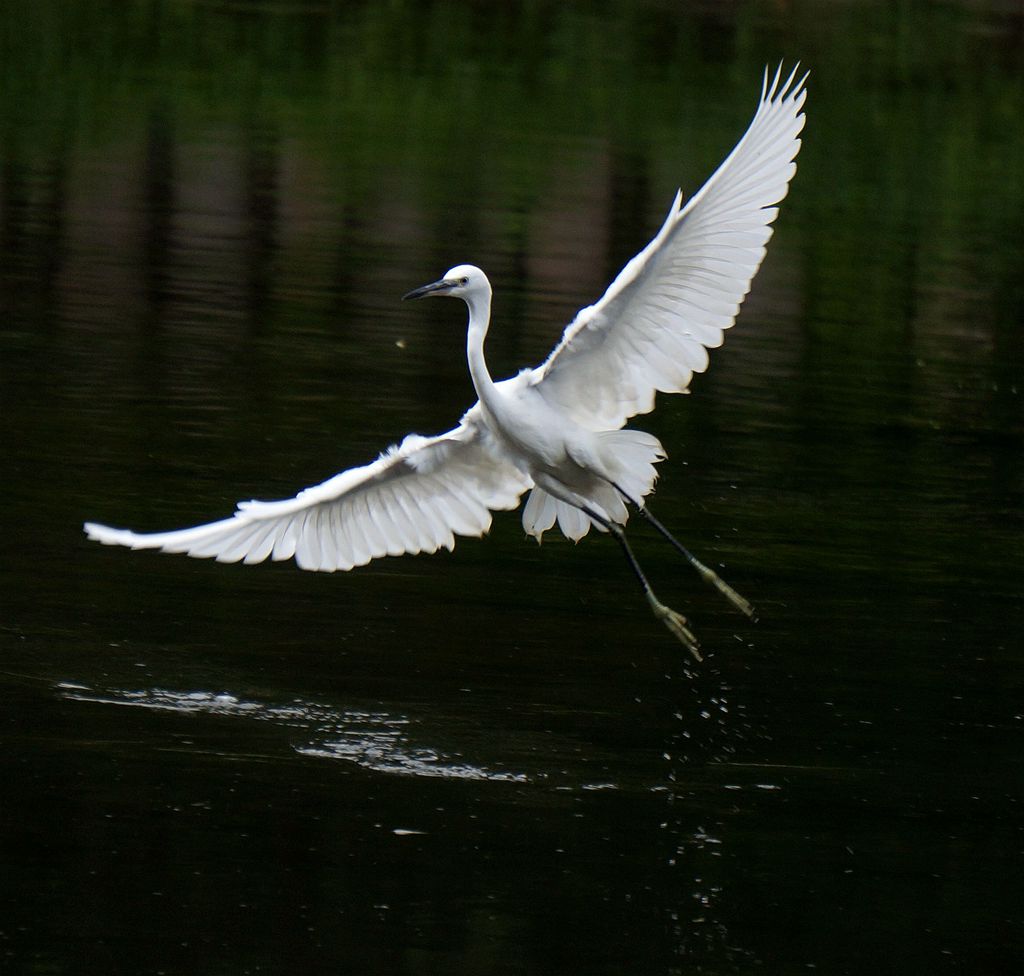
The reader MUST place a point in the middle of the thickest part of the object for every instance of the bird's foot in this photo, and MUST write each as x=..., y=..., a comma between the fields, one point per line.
x=676, y=623
x=740, y=603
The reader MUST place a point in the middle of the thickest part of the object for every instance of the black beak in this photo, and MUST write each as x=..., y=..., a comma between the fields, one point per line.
x=434, y=288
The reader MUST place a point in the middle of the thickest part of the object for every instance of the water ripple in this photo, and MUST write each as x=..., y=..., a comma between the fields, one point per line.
x=376, y=740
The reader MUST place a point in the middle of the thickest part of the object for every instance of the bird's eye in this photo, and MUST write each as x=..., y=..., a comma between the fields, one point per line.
x=464, y=281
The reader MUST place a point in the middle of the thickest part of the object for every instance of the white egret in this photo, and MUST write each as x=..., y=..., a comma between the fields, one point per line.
x=555, y=430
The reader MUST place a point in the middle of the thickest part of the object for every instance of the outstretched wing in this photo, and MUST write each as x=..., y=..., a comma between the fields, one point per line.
x=415, y=498
x=652, y=328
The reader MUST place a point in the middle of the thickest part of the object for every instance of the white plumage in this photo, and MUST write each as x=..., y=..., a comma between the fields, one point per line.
x=414, y=498
x=553, y=429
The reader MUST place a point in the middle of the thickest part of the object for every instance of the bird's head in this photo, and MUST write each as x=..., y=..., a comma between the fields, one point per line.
x=463, y=281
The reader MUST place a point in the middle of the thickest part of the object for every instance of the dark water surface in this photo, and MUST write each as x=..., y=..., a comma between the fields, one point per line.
x=495, y=760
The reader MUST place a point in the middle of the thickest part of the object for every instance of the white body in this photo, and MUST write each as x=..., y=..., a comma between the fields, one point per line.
x=555, y=429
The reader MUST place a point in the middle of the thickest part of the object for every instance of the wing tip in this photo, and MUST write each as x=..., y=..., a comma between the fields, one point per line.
x=107, y=535
x=780, y=91
x=97, y=532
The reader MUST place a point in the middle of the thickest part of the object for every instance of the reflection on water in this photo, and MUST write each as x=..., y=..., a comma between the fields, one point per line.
x=677, y=840
x=490, y=762
x=373, y=740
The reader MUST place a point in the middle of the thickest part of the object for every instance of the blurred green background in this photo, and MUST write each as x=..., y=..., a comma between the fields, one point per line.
x=495, y=761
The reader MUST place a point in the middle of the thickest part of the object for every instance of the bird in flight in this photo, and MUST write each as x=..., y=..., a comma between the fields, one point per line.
x=555, y=431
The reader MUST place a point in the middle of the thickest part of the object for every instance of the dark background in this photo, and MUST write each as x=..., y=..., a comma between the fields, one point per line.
x=495, y=760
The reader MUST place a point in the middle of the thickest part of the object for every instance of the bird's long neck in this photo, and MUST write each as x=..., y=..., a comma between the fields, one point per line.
x=479, y=319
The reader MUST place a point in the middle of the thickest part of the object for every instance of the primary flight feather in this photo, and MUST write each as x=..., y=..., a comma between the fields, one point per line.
x=553, y=430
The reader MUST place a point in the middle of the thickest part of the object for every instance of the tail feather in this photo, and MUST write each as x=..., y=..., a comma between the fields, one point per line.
x=542, y=510
x=630, y=456
x=539, y=513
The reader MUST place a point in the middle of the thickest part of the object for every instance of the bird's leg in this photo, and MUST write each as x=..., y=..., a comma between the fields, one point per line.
x=674, y=621
x=706, y=573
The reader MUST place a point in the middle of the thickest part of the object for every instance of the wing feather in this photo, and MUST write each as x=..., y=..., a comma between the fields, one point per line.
x=415, y=498
x=262, y=544
x=397, y=526
x=334, y=528
x=303, y=551
x=675, y=298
